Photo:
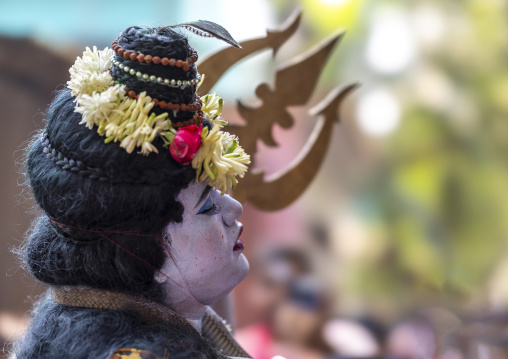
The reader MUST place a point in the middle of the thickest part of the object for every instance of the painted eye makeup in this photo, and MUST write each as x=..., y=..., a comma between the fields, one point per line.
x=209, y=207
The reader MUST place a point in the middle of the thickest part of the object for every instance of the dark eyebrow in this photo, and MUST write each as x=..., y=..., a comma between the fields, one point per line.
x=203, y=195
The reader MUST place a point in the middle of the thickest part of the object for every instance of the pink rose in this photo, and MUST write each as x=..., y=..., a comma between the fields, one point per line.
x=186, y=143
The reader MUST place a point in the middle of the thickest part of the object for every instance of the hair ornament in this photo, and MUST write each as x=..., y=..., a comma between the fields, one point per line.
x=123, y=116
x=157, y=80
x=90, y=73
x=135, y=56
x=220, y=159
x=193, y=107
x=212, y=105
x=205, y=28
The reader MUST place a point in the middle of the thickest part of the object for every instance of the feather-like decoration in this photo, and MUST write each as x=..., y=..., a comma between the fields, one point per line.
x=205, y=28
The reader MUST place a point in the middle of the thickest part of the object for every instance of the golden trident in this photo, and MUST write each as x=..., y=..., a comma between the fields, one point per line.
x=294, y=84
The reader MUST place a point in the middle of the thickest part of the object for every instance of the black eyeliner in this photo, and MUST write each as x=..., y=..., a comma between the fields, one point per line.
x=203, y=195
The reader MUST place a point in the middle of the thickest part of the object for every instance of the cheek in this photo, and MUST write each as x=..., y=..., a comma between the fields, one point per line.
x=210, y=245
x=199, y=243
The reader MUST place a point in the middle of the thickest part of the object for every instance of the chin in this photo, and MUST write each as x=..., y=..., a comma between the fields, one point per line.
x=239, y=274
x=236, y=277
x=243, y=268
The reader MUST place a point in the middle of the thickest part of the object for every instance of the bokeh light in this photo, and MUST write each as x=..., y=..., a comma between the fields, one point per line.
x=390, y=46
x=378, y=112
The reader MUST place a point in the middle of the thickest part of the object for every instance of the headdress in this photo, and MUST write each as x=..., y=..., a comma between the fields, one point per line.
x=136, y=95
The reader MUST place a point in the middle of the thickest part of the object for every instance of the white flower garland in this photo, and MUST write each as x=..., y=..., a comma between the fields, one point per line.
x=103, y=103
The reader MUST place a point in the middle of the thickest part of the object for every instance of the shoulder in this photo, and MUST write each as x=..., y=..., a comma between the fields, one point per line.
x=99, y=333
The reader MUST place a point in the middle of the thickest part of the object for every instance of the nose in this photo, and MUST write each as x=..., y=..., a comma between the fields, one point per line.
x=232, y=210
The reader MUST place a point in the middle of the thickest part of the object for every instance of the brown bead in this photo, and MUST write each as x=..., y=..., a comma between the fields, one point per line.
x=162, y=104
x=156, y=60
x=133, y=56
x=185, y=66
x=141, y=57
x=155, y=102
x=172, y=62
x=127, y=55
x=179, y=63
x=176, y=106
x=183, y=107
x=120, y=51
x=132, y=94
x=148, y=59
x=165, y=61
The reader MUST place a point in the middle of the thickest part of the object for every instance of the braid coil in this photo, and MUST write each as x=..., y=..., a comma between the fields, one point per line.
x=96, y=173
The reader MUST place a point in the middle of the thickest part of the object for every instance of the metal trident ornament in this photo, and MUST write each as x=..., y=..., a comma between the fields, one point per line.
x=294, y=85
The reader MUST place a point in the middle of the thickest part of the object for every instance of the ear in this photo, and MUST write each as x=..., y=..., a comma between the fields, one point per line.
x=160, y=277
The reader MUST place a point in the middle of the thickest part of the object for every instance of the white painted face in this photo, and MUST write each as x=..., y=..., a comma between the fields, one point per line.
x=206, y=250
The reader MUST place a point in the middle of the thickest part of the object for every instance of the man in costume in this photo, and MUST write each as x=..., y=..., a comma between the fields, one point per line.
x=137, y=237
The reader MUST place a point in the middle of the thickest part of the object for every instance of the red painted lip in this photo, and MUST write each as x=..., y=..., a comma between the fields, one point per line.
x=239, y=243
x=238, y=246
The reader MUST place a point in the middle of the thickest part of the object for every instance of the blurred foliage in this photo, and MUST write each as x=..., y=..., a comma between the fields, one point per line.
x=441, y=191
x=437, y=196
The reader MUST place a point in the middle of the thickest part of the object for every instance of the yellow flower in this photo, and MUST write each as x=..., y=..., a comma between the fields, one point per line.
x=220, y=159
x=212, y=108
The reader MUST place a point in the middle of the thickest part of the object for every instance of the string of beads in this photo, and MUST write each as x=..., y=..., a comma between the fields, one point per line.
x=133, y=56
x=192, y=107
x=158, y=80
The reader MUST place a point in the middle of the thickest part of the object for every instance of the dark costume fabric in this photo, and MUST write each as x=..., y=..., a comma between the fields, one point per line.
x=87, y=318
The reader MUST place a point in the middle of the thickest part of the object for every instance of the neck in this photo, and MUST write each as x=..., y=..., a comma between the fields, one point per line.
x=186, y=305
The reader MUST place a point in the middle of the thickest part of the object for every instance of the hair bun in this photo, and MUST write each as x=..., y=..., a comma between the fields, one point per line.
x=160, y=63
